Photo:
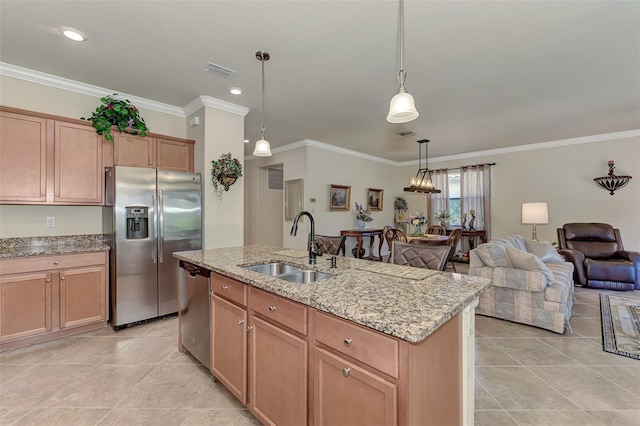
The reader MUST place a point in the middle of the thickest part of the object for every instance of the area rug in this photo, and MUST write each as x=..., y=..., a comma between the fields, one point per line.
x=620, y=325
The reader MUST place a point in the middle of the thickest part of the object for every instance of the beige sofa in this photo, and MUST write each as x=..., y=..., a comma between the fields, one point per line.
x=532, y=284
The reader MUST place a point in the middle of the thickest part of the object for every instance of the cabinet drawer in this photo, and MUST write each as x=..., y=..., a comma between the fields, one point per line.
x=279, y=309
x=47, y=263
x=229, y=289
x=370, y=347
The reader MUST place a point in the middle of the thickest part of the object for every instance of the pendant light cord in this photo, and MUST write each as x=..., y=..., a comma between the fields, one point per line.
x=401, y=73
x=262, y=128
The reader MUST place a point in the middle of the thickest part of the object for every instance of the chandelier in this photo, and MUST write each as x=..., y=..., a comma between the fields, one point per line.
x=612, y=182
x=422, y=181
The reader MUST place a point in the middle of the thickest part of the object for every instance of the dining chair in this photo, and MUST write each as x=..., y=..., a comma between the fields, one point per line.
x=436, y=230
x=329, y=244
x=454, y=239
x=394, y=234
x=418, y=256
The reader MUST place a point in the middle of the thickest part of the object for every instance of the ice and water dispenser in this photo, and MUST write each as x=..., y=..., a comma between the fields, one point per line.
x=137, y=222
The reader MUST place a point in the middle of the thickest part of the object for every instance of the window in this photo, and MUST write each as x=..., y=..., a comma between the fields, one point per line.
x=454, y=197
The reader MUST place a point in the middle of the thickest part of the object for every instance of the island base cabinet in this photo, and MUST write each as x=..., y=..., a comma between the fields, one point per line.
x=229, y=346
x=278, y=375
x=25, y=306
x=344, y=394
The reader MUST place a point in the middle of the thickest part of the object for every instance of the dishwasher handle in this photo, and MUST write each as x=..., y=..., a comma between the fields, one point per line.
x=195, y=270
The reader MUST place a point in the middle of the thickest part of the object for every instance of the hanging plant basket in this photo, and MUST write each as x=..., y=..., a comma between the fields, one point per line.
x=224, y=173
x=120, y=113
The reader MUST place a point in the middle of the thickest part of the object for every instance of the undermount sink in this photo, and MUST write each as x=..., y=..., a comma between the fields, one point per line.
x=273, y=269
x=305, y=277
x=289, y=273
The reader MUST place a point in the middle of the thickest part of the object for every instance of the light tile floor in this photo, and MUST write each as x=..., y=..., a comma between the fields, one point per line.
x=524, y=376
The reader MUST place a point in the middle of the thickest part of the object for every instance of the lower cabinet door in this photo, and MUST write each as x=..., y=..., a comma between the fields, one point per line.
x=344, y=394
x=229, y=346
x=25, y=305
x=278, y=375
x=83, y=296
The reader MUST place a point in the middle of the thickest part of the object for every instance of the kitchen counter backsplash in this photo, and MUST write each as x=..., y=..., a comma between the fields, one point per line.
x=42, y=246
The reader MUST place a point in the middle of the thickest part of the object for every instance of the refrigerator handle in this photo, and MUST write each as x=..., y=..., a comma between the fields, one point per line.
x=154, y=245
x=161, y=226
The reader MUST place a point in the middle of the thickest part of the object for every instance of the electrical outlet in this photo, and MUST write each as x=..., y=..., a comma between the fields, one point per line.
x=51, y=222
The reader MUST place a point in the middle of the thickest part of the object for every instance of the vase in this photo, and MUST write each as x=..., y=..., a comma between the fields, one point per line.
x=227, y=180
x=418, y=230
x=360, y=223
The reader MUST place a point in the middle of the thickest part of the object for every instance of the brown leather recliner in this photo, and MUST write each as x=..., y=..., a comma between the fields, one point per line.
x=599, y=258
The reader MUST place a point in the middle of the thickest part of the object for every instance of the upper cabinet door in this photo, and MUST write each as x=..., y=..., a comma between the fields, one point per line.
x=133, y=151
x=78, y=171
x=23, y=158
x=174, y=155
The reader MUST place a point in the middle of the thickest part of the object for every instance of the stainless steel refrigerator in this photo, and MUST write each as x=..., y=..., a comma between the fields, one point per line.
x=149, y=215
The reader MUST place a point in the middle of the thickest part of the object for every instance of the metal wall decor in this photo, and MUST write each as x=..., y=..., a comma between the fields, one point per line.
x=611, y=182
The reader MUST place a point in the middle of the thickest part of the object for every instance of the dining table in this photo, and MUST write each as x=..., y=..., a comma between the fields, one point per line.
x=429, y=240
x=359, y=234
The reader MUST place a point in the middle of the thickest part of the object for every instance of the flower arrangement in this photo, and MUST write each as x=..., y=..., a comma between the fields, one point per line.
x=362, y=213
x=224, y=173
x=120, y=113
x=400, y=204
x=418, y=220
x=443, y=217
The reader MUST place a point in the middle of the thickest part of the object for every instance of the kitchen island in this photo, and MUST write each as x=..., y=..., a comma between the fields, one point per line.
x=373, y=344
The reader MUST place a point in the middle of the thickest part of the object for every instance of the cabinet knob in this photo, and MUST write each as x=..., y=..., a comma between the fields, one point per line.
x=240, y=322
x=48, y=280
x=62, y=278
x=272, y=308
x=151, y=163
x=57, y=195
x=43, y=194
x=347, y=342
x=345, y=371
x=249, y=328
x=55, y=262
x=224, y=287
x=159, y=164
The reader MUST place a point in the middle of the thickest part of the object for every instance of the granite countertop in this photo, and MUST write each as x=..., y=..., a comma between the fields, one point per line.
x=44, y=246
x=387, y=300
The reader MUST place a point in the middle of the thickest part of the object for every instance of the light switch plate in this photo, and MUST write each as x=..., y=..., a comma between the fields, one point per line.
x=51, y=222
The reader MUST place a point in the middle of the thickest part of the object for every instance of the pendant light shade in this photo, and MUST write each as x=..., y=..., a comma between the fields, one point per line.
x=402, y=108
x=262, y=148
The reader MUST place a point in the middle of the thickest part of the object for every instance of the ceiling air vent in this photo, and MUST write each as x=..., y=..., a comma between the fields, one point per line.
x=218, y=70
x=407, y=133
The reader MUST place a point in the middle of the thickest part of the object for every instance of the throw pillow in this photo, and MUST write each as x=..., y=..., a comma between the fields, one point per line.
x=513, y=240
x=528, y=262
x=544, y=250
x=494, y=255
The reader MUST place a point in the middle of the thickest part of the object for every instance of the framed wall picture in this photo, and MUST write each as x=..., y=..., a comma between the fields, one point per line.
x=374, y=199
x=339, y=196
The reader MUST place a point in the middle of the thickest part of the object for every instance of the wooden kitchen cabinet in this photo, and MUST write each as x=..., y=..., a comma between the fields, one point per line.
x=47, y=160
x=43, y=297
x=162, y=153
x=229, y=346
x=277, y=364
x=345, y=394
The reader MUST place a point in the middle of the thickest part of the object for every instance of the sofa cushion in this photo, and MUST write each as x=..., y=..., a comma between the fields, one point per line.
x=562, y=284
x=513, y=240
x=529, y=262
x=544, y=250
x=494, y=255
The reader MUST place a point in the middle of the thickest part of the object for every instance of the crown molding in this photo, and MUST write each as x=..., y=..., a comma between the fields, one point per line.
x=211, y=102
x=45, y=79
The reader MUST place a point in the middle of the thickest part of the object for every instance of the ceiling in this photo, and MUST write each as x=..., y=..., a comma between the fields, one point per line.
x=484, y=74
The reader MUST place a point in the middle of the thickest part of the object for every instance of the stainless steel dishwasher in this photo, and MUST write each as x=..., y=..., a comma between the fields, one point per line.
x=195, y=321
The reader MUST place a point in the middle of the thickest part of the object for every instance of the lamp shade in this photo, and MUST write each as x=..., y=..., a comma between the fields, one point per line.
x=262, y=149
x=535, y=213
x=402, y=108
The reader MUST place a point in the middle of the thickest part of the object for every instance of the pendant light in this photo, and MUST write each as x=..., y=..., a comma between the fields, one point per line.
x=422, y=182
x=262, y=148
x=402, y=108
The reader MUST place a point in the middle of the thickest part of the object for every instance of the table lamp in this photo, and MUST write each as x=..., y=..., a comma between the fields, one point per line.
x=535, y=214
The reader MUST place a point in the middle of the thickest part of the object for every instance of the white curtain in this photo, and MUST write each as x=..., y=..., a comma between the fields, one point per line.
x=475, y=194
x=437, y=203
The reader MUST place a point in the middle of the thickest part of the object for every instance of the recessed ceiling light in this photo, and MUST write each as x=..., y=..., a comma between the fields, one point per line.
x=73, y=34
x=235, y=91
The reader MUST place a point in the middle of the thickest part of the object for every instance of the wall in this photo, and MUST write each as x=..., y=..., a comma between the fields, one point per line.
x=561, y=176
x=320, y=168
x=29, y=221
